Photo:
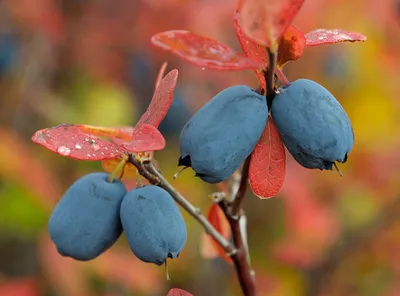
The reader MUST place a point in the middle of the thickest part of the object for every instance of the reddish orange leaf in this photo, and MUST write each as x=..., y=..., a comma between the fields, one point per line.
x=145, y=138
x=161, y=74
x=127, y=130
x=218, y=219
x=266, y=21
x=325, y=36
x=161, y=101
x=252, y=50
x=20, y=287
x=178, y=292
x=291, y=46
x=202, y=51
x=109, y=132
x=207, y=248
x=268, y=163
x=68, y=140
x=109, y=165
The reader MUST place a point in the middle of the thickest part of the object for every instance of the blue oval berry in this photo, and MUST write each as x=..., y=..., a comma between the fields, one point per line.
x=223, y=133
x=313, y=125
x=153, y=224
x=86, y=221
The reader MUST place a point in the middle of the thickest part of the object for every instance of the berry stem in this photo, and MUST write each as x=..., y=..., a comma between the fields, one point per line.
x=281, y=76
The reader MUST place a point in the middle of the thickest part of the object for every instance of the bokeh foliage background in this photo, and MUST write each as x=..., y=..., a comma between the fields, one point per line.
x=92, y=62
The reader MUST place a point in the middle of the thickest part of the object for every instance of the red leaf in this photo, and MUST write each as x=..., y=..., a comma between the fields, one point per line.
x=324, y=36
x=178, y=292
x=268, y=163
x=202, y=51
x=128, y=130
x=207, y=248
x=68, y=140
x=123, y=134
x=146, y=138
x=161, y=74
x=20, y=287
x=218, y=219
x=161, y=101
x=291, y=46
x=252, y=50
x=266, y=21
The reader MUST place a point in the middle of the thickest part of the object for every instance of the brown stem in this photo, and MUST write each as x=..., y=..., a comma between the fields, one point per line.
x=242, y=265
x=234, y=213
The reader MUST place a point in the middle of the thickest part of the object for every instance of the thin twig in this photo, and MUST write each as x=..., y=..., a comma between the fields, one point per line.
x=234, y=213
x=319, y=274
x=236, y=206
x=148, y=171
x=240, y=259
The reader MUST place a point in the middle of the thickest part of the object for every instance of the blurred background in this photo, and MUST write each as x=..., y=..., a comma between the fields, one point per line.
x=72, y=61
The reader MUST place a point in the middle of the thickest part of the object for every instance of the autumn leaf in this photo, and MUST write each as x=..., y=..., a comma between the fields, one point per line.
x=291, y=46
x=145, y=138
x=123, y=133
x=109, y=165
x=127, y=130
x=160, y=74
x=207, y=248
x=266, y=21
x=252, y=50
x=201, y=51
x=268, y=163
x=68, y=140
x=325, y=36
x=218, y=219
x=161, y=101
x=24, y=286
